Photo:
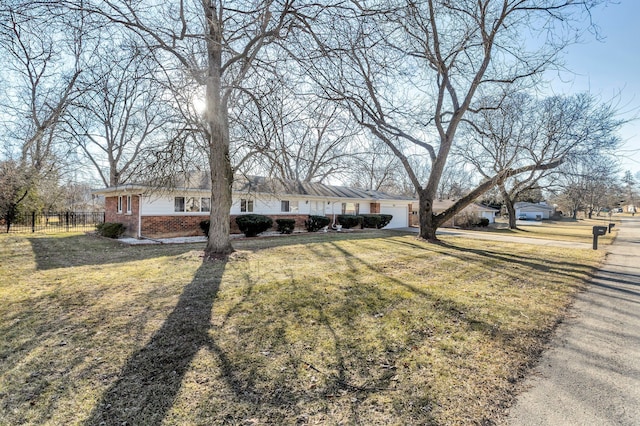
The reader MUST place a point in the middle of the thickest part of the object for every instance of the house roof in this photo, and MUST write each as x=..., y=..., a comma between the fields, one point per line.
x=533, y=206
x=261, y=185
x=439, y=206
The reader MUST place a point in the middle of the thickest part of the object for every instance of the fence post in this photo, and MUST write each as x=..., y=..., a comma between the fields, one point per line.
x=33, y=222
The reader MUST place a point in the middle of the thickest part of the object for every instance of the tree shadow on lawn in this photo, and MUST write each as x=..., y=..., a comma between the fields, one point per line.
x=149, y=382
x=574, y=270
x=148, y=385
x=87, y=250
x=254, y=385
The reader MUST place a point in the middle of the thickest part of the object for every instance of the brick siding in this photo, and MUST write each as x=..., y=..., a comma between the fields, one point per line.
x=129, y=220
x=184, y=226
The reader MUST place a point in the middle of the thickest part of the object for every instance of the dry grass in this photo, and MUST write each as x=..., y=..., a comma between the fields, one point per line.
x=562, y=230
x=363, y=328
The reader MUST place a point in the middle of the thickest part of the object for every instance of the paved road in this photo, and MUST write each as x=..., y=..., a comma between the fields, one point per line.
x=591, y=373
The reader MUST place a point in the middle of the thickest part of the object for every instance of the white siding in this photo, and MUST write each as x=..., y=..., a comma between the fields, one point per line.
x=489, y=215
x=163, y=205
x=155, y=206
x=532, y=213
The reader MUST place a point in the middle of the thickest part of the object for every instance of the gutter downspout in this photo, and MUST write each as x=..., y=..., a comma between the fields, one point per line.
x=139, y=216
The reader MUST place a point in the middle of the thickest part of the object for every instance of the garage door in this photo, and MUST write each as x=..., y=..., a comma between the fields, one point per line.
x=400, y=215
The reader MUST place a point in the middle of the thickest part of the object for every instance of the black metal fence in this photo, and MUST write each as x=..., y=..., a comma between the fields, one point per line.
x=54, y=222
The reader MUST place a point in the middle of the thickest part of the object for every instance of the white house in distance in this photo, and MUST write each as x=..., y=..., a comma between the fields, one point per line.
x=475, y=209
x=162, y=212
x=533, y=211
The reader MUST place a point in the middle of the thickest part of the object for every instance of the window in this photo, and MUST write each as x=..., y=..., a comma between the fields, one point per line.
x=179, y=204
x=129, y=204
x=205, y=204
x=120, y=204
x=350, y=208
x=288, y=206
x=246, y=206
x=193, y=204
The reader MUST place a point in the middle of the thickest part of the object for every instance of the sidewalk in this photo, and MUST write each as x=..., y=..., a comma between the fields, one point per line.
x=591, y=373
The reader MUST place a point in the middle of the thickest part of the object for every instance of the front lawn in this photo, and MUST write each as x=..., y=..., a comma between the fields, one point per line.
x=561, y=230
x=362, y=328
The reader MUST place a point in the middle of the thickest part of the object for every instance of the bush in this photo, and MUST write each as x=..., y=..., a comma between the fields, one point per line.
x=386, y=219
x=204, y=225
x=483, y=222
x=286, y=226
x=371, y=221
x=466, y=220
x=349, y=220
x=253, y=224
x=110, y=229
x=316, y=223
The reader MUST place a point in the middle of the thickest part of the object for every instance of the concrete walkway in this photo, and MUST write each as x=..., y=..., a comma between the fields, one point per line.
x=591, y=373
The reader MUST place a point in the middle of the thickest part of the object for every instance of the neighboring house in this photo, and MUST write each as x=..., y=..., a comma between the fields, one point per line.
x=154, y=212
x=475, y=209
x=533, y=211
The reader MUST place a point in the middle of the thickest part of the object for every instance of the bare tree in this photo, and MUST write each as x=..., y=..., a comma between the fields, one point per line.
x=295, y=136
x=216, y=44
x=377, y=168
x=119, y=115
x=411, y=72
x=43, y=59
x=588, y=184
x=524, y=132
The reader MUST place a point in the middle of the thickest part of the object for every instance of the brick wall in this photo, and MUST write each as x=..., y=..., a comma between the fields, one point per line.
x=183, y=226
x=129, y=220
x=172, y=226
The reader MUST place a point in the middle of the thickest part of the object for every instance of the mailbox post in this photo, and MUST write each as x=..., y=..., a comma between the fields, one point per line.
x=597, y=231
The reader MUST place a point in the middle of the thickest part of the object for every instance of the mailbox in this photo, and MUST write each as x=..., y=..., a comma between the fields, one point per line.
x=611, y=225
x=599, y=230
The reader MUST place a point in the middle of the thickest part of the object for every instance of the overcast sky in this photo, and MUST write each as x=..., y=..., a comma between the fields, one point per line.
x=609, y=68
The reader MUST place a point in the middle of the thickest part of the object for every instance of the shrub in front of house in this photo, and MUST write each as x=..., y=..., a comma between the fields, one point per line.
x=349, y=221
x=466, y=220
x=371, y=220
x=377, y=221
x=286, y=226
x=386, y=219
x=316, y=223
x=483, y=222
x=253, y=224
x=204, y=225
x=110, y=229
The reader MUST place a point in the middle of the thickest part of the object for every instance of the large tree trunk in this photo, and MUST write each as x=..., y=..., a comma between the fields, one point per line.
x=428, y=225
x=511, y=210
x=219, y=241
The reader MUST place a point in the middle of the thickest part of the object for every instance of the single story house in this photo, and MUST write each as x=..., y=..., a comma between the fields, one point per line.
x=533, y=211
x=155, y=212
x=475, y=209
